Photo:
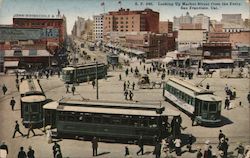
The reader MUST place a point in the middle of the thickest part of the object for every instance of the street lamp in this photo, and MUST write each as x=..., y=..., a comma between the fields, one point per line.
x=96, y=77
x=158, y=49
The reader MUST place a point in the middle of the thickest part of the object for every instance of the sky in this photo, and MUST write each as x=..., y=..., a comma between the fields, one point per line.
x=87, y=8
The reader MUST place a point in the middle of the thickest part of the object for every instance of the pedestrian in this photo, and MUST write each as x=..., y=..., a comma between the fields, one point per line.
x=12, y=103
x=93, y=83
x=49, y=136
x=131, y=70
x=207, y=86
x=58, y=153
x=248, y=97
x=128, y=84
x=56, y=147
x=227, y=103
x=199, y=153
x=190, y=142
x=240, y=151
x=5, y=89
x=30, y=129
x=193, y=118
x=126, y=151
x=126, y=94
x=67, y=88
x=177, y=143
x=124, y=86
x=225, y=147
x=133, y=86
x=47, y=75
x=17, y=87
x=226, y=88
x=58, y=74
x=131, y=94
x=147, y=71
x=120, y=77
x=208, y=152
x=4, y=147
x=73, y=89
x=126, y=72
x=158, y=150
x=31, y=153
x=221, y=135
x=17, y=80
x=94, y=145
x=21, y=153
x=140, y=144
x=17, y=129
x=144, y=67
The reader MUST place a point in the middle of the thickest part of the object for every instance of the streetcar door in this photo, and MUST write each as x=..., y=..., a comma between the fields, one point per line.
x=198, y=107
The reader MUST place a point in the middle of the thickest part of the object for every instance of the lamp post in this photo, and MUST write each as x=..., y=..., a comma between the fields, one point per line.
x=158, y=48
x=96, y=76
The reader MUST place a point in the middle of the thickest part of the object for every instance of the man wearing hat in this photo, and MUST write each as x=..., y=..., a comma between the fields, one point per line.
x=240, y=151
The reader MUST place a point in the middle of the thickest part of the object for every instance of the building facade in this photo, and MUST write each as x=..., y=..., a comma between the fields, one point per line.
x=203, y=20
x=78, y=27
x=125, y=20
x=52, y=24
x=98, y=27
x=183, y=19
x=154, y=45
x=165, y=27
x=188, y=39
x=232, y=18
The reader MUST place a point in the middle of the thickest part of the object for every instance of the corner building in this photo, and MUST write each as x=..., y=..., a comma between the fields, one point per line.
x=125, y=20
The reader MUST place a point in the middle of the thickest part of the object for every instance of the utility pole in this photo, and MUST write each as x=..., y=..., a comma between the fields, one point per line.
x=96, y=77
x=158, y=49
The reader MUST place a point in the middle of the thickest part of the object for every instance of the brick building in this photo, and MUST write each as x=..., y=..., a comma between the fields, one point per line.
x=242, y=37
x=125, y=20
x=165, y=27
x=53, y=24
x=154, y=45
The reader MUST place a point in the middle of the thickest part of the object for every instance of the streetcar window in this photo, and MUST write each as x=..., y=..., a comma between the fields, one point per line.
x=106, y=120
x=26, y=108
x=34, y=108
x=97, y=119
x=70, y=118
x=61, y=118
x=124, y=121
x=205, y=106
x=152, y=122
x=116, y=121
x=88, y=119
x=212, y=107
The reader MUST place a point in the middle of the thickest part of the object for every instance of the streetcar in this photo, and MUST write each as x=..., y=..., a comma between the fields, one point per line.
x=200, y=104
x=32, y=99
x=83, y=73
x=109, y=120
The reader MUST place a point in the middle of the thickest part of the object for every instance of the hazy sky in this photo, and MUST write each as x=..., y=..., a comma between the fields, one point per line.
x=87, y=8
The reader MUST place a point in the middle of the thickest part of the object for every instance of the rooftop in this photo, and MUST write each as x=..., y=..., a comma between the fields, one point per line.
x=37, y=16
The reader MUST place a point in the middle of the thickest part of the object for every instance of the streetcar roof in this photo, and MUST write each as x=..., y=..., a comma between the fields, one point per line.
x=208, y=97
x=190, y=87
x=70, y=101
x=94, y=109
x=33, y=98
x=51, y=106
x=68, y=68
x=114, y=111
x=30, y=86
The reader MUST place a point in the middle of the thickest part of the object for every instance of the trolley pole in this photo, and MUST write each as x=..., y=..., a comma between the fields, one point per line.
x=96, y=77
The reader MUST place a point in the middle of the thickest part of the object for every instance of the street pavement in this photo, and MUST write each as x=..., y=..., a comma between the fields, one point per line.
x=236, y=120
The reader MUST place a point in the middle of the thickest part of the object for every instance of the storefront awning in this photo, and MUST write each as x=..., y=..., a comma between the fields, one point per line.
x=216, y=61
x=11, y=63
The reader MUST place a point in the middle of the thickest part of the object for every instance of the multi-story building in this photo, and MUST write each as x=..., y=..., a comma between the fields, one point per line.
x=203, y=20
x=52, y=24
x=239, y=38
x=232, y=18
x=188, y=39
x=218, y=37
x=154, y=45
x=165, y=27
x=98, y=27
x=78, y=27
x=131, y=21
x=187, y=26
x=186, y=19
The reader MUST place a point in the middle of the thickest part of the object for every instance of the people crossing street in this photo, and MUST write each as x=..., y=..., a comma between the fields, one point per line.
x=21, y=153
x=73, y=89
x=31, y=153
x=12, y=103
x=31, y=129
x=131, y=94
x=17, y=129
x=126, y=94
x=94, y=146
x=133, y=86
x=4, y=89
x=67, y=88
